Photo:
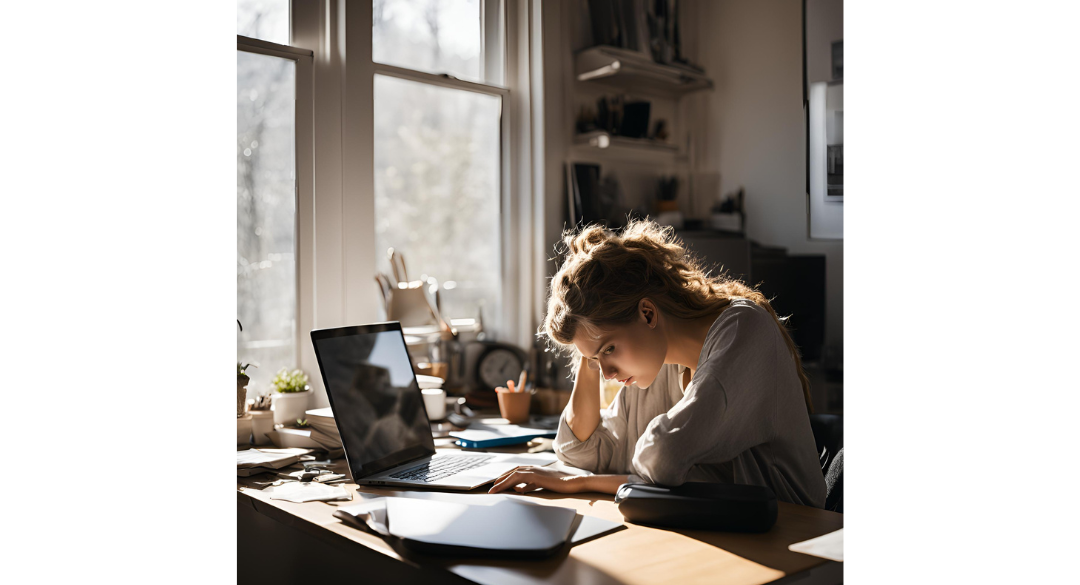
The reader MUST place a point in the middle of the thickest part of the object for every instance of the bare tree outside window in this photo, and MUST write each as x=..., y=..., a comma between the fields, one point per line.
x=266, y=20
x=437, y=189
x=435, y=36
x=265, y=214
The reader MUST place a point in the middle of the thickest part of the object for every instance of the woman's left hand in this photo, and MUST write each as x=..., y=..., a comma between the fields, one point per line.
x=535, y=478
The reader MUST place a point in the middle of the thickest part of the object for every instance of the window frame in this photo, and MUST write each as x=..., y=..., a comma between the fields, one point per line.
x=303, y=191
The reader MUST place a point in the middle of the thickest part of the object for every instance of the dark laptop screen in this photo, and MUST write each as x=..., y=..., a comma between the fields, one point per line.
x=377, y=404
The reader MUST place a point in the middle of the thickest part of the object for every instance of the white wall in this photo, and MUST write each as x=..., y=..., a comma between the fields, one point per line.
x=755, y=132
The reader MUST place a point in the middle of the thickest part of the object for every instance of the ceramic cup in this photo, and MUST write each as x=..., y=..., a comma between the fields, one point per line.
x=435, y=403
x=262, y=422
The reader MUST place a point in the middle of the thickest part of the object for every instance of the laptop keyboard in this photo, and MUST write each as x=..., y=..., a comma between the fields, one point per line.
x=441, y=467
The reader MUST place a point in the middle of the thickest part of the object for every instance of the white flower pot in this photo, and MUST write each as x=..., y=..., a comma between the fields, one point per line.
x=289, y=406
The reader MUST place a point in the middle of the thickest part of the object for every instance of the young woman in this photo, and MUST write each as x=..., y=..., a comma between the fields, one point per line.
x=713, y=388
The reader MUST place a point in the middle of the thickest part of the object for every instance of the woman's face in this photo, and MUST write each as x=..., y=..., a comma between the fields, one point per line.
x=632, y=353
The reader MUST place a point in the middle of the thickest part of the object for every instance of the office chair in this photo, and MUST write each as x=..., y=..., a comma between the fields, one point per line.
x=828, y=432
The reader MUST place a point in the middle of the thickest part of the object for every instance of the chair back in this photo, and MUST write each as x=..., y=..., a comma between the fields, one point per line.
x=828, y=432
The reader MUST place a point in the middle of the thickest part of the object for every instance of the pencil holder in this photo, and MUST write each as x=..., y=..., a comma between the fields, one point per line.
x=514, y=406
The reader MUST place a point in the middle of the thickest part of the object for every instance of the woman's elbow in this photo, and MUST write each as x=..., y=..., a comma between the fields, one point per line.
x=659, y=470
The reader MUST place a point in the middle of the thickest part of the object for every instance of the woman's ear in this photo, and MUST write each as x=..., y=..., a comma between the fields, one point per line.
x=647, y=310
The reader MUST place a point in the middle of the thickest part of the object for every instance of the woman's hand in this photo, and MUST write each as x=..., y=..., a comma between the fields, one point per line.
x=535, y=478
x=583, y=412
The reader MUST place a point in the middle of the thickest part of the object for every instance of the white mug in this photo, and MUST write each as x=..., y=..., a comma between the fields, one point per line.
x=435, y=403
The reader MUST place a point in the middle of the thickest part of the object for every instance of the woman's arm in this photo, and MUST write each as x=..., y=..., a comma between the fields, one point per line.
x=605, y=484
x=583, y=411
x=716, y=421
x=529, y=478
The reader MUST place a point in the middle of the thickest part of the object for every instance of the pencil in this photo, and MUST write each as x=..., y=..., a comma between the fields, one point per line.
x=510, y=385
x=521, y=381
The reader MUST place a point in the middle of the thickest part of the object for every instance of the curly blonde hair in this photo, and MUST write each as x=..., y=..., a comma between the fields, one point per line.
x=605, y=274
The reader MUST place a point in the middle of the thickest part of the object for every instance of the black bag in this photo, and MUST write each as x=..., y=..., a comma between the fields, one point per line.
x=708, y=506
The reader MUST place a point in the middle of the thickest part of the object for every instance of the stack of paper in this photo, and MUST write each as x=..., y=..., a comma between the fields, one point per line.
x=300, y=492
x=324, y=430
x=287, y=438
x=255, y=461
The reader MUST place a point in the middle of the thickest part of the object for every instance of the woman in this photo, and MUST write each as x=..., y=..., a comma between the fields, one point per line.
x=713, y=388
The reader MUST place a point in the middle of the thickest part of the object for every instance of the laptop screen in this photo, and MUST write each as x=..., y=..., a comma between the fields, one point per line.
x=377, y=403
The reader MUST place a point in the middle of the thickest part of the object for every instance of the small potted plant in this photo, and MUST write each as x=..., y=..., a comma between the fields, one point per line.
x=242, y=381
x=291, y=395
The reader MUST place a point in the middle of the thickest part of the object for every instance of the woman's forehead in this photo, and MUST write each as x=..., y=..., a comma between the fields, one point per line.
x=590, y=340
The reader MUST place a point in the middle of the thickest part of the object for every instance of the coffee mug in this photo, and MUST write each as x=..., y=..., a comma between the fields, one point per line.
x=435, y=403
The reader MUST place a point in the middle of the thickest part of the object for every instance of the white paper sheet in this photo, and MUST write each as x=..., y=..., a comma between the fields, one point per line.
x=300, y=492
x=827, y=546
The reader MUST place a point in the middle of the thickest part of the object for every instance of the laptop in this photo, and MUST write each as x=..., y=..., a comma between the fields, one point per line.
x=379, y=412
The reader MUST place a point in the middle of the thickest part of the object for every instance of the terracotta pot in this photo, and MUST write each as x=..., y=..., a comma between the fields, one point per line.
x=514, y=406
x=241, y=395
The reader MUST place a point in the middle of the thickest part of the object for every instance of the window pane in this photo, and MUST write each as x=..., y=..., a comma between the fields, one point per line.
x=265, y=215
x=266, y=20
x=436, y=36
x=437, y=189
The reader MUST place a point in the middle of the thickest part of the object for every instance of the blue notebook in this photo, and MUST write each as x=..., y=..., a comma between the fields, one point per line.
x=481, y=436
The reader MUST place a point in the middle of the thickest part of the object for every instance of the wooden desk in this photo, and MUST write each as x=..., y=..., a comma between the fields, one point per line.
x=283, y=542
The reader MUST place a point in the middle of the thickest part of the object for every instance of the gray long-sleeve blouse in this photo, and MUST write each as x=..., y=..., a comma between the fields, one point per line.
x=742, y=419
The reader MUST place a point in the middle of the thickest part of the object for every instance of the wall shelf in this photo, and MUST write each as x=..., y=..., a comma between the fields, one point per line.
x=602, y=145
x=602, y=139
x=632, y=70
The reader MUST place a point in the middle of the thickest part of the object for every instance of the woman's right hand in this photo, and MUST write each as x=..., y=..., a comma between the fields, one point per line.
x=583, y=412
x=587, y=365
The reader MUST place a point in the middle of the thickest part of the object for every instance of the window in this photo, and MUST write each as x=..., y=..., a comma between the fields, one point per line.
x=437, y=183
x=267, y=140
x=438, y=146
x=265, y=213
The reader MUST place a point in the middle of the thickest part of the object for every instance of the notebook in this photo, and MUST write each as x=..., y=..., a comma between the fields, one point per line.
x=481, y=436
x=492, y=527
